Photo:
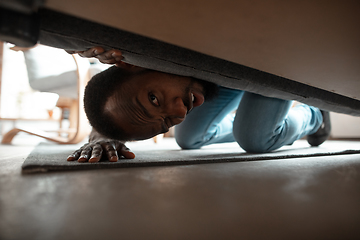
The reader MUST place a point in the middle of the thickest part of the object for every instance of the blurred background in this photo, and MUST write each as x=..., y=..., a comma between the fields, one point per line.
x=40, y=89
x=20, y=105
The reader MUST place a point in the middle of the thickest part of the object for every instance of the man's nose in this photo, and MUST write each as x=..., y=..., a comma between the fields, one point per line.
x=177, y=108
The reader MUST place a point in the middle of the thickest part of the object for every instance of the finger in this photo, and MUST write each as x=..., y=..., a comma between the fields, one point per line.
x=117, y=54
x=110, y=151
x=17, y=48
x=92, y=52
x=127, y=153
x=96, y=153
x=75, y=155
x=85, y=154
x=110, y=57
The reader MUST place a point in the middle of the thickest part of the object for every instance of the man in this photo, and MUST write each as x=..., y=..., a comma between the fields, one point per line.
x=126, y=103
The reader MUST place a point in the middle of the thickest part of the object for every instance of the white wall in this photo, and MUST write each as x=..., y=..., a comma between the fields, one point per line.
x=345, y=126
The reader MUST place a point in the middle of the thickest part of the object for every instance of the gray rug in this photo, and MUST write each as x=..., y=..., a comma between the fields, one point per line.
x=52, y=157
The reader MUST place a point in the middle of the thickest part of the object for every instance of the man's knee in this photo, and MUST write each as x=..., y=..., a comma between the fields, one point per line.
x=251, y=140
x=253, y=146
x=184, y=144
x=186, y=141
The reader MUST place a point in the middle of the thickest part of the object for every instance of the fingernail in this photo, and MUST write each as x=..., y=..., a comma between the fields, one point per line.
x=113, y=159
x=94, y=160
x=82, y=159
x=116, y=54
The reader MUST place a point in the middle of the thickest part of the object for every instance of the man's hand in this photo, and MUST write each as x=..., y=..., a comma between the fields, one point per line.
x=113, y=56
x=92, y=152
x=99, y=145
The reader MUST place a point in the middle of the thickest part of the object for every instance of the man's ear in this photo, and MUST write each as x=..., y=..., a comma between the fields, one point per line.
x=129, y=67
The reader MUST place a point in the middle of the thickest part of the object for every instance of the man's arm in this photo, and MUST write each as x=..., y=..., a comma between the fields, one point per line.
x=100, y=145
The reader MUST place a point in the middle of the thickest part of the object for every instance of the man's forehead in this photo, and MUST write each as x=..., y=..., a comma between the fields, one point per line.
x=128, y=110
x=143, y=108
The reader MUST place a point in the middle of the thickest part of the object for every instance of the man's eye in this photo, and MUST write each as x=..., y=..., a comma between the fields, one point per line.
x=154, y=99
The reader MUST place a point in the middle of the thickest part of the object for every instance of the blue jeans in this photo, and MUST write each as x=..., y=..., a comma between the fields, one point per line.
x=260, y=124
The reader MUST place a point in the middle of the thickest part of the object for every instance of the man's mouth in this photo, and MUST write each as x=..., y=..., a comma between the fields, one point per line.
x=165, y=125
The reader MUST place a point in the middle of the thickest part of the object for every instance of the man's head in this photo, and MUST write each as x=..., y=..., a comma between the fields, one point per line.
x=132, y=103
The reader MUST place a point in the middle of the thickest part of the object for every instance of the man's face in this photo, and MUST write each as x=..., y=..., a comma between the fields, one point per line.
x=152, y=102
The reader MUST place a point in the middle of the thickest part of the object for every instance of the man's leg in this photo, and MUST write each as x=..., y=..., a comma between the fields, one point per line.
x=211, y=122
x=263, y=124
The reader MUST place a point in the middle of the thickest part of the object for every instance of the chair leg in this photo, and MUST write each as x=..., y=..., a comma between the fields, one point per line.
x=8, y=137
x=73, y=118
